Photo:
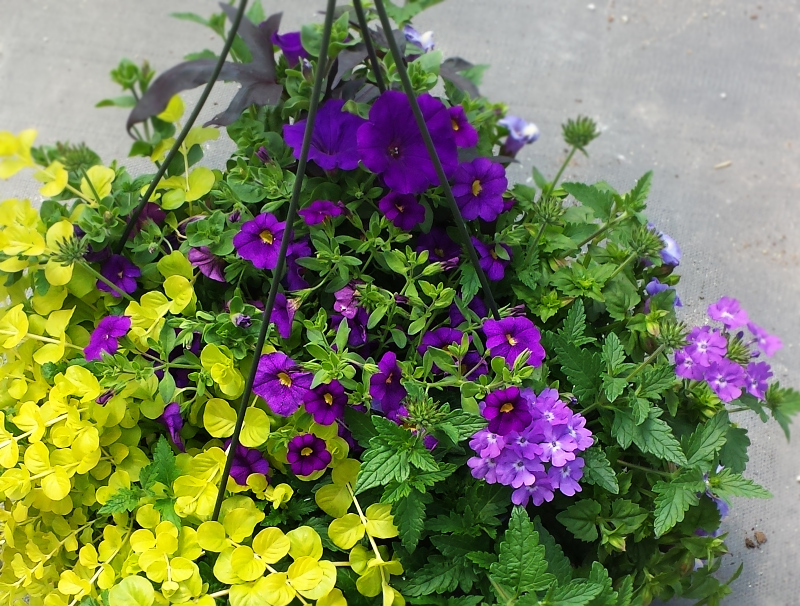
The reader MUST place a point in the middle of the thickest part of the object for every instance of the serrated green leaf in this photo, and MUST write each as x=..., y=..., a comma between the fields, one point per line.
x=438, y=575
x=625, y=591
x=653, y=381
x=577, y=593
x=522, y=566
x=574, y=328
x=706, y=441
x=599, y=201
x=462, y=425
x=613, y=387
x=166, y=507
x=409, y=517
x=626, y=515
x=125, y=499
x=582, y=367
x=597, y=470
x=164, y=468
x=380, y=465
x=734, y=453
x=613, y=353
x=557, y=563
x=636, y=198
x=655, y=437
x=727, y=484
x=581, y=519
x=674, y=500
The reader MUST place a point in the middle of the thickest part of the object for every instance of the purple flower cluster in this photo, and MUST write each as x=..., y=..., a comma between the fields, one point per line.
x=704, y=358
x=530, y=444
x=106, y=336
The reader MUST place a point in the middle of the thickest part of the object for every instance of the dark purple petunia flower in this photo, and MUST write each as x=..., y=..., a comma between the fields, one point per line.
x=294, y=271
x=358, y=327
x=476, y=304
x=181, y=375
x=259, y=240
x=150, y=212
x=263, y=155
x=439, y=245
x=171, y=417
x=327, y=403
x=440, y=338
x=473, y=365
x=384, y=386
x=654, y=287
x=209, y=264
x=402, y=210
x=726, y=379
x=509, y=337
x=104, y=397
x=247, y=461
x=346, y=299
x=306, y=454
x=283, y=314
x=465, y=133
x=493, y=265
x=291, y=46
x=319, y=210
x=104, y=337
x=728, y=311
x=756, y=377
x=507, y=411
x=333, y=143
x=282, y=384
x=391, y=145
x=766, y=342
x=520, y=133
x=120, y=271
x=478, y=188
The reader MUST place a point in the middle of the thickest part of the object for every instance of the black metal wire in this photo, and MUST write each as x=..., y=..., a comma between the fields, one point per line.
x=187, y=127
x=367, y=37
x=426, y=136
x=287, y=235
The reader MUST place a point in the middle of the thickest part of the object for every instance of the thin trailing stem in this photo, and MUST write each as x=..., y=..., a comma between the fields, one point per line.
x=281, y=264
x=187, y=127
x=552, y=185
x=646, y=361
x=643, y=468
x=603, y=229
x=365, y=35
x=426, y=137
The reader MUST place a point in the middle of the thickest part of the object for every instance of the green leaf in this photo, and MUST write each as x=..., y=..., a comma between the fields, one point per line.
x=654, y=380
x=409, y=517
x=522, y=566
x=625, y=591
x=581, y=519
x=123, y=101
x=653, y=436
x=125, y=499
x=163, y=468
x=626, y=515
x=636, y=198
x=613, y=353
x=734, y=453
x=599, y=201
x=582, y=367
x=597, y=470
x=577, y=593
x=461, y=425
x=613, y=387
x=727, y=484
x=439, y=575
x=620, y=295
x=380, y=465
x=707, y=440
x=674, y=499
x=166, y=507
x=557, y=563
x=623, y=428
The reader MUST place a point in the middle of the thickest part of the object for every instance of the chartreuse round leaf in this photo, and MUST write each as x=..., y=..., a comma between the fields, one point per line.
x=173, y=111
x=132, y=591
x=369, y=583
x=56, y=485
x=201, y=180
x=223, y=569
x=71, y=584
x=325, y=584
x=37, y=458
x=380, y=523
x=246, y=565
x=211, y=536
x=13, y=327
x=304, y=541
x=271, y=544
x=304, y=573
x=239, y=523
x=141, y=540
x=334, y=499
x=276, y=590
x=181, y=569
x=180, y=291
x=255, y=430
x=346, y=472
x=249, y=594
x=334, y=597
x=175, y=264
x=219, y=418
x=346, y=531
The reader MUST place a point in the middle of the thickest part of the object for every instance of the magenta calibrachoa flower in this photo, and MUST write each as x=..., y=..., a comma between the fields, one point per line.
x=333, y=142
x=391, y=145
x=282, y=384
x=385, y=388
x=490, y=262
x=260, y=240
x=209, y=264
x=327, y=403
x=120, y=271
x=728, y=311
x=105, y=336
x=402, y=210
x=319, y=210
x=283, y=314
x=509, y=337
x=247, y=461
x=478, y=188
x=171, y=417
x=306, y=454
x=465, y=133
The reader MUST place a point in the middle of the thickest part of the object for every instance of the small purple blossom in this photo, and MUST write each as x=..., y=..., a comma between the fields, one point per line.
x=402, y=210
x=319, y=210
x=520, y=133
x=172, y=419
x=484, y=468
x=766, y=342
x=291, y=46
x=576, y=428
x=263, y=155
x=282, y=384
x=346, y=299
x=247, y=461
x=439, y=245
x=509, y=337
x=209, y=264
x=120, y=271
x=515, y=469
x=705, y=345
x=728, y=311
x=465, y=133
x=756, y=376
x=490, y=261
x=440, y=338
x=333, y=142
x=557, y=445
x=654, y=287
x=358, y=327
x=105, y=336
x=507, y=411
x=283, y=314
x=726, y=379
x=686, y=367
x=422, y=40
x=566, y=477
x=327, y=403
x=259, y=240
x=538, y=492
x=306, y=454
x=385, y=388
x=487, y=444
x=478, y=188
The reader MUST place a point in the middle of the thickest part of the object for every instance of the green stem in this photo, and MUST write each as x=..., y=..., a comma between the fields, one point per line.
x=646, y=361
x=532, y=246
x=622, y=266
x=553, y=184
x=105, y=280
x=602, y=229
x=645, y=469
x=91, y=185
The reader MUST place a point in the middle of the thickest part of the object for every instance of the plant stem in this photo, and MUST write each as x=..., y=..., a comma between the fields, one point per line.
x=603, y=228
x=553, y=184
x=364, y=522
x=645, y=469
x=646, y=361
x=367, y=38
x=105, y=280
x=622, y=266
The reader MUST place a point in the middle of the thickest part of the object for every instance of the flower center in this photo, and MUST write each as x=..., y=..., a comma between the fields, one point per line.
x=476, y=187
x=439, y=252
x=307, y=451
x=285, y=379
x=400, y=208
x=493, y=254
x=507, y=407
x=328, y=399
x=389, y=377
x=266, y=237
x=511, y=340
x=394, y=151
x=455, y=124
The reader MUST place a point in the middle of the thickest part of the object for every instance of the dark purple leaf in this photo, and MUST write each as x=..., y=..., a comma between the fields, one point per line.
x=450, y=69
x=348, y=59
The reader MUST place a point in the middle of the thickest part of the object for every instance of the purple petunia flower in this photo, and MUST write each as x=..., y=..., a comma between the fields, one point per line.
x=209, y=264
x=282, y=384
x=358, y=327
x=247, y=461
x=423, y=40
x=327, y=403
x=520, y=133
x=476, y=304
x=391, y=145
x=465, y=133
x=515, y=469
x=473, y=365
x=766, y=342
x=171, y=417
x=105, y=336
x=507, y=411
x=333, y=142
x=120, y=271
x=263, y=155
x=726, y=379
x=306, y=454
x=384, y=386
x=756, y=377
x=294, y=271
x=283, y=314
x=654, y=287
x=402, y=210
x=487, y=444
x=259, y=240
x=439, y=245
x=346, y=299
x=440, y=338
x=490, y=262
x=509, y=337
x=478, y=188
x=291, y=46
x=319, y=210
x=705, y=346
x=728, y=311
x=539, y=492
x=150, y=212
x=566, y=477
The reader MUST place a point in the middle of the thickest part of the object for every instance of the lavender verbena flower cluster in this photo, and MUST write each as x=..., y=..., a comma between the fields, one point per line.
x=706, y=356
x=530, y=444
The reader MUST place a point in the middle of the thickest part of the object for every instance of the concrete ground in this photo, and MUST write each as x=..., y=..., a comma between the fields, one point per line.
x=704, y=92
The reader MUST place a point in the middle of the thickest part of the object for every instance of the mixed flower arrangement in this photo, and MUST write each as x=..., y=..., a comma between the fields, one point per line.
x=558, y=439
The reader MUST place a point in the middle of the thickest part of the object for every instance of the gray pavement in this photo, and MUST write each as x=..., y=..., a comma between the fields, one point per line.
x=679, y=86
